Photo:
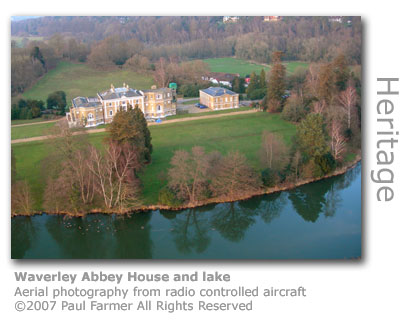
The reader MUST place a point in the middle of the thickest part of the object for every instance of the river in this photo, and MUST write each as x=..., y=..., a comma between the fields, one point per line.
x=320, y=220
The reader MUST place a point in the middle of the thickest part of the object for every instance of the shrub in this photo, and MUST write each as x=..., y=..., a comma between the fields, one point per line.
x=168, y=198
x=325, y=163
x=268, y=177
x=293, y=112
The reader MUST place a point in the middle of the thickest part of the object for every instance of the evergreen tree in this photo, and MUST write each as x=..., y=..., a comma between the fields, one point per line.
x=131, y=126
x=276, y=85
x=311, y=136
x=263, y=83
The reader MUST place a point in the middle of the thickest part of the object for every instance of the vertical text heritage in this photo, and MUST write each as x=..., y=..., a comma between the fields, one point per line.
x=386, y=139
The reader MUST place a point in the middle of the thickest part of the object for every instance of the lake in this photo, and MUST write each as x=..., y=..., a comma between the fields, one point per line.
x=321, y=220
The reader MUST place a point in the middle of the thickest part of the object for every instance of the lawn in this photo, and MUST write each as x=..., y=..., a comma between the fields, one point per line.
x=243, y=67
x=238, y=132
x=25, y=121
x=205, y=113
x=34, y=130
x=81, y=80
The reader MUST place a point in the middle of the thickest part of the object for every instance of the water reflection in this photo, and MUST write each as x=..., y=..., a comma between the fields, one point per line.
x=23, y=236
x=209, y=231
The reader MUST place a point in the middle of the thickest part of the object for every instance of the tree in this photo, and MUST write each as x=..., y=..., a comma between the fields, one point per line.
x=274, y=152
x=238, y=85
x=233, y=176
x=114, y=176
x=276, y=86
x=57, y=100
x=338, y=141
x=254, y=83
x=341, y=72
x=130, y=126
x=311, y=136
x=348, y=100
x=188, y=175
x=161, y=75
x=294, y=109
x=21, y=199
x=262, y=82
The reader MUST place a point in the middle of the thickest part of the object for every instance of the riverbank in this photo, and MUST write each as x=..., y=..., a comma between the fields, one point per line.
x=264, y=191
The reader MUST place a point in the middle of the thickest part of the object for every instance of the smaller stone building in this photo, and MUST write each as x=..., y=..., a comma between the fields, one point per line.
x=217, y=98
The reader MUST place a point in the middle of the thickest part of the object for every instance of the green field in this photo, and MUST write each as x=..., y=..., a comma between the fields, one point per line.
x=34, y=130
x=26, y=121
x=238, y=132
x=81, y=80
x=243, y=67
x=206, y=113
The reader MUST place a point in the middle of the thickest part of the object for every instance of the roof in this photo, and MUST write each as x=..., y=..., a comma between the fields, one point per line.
x=118, y=93
x=218, y=91
x=86, y=102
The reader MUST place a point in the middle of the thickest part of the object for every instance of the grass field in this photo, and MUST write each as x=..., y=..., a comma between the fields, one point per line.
x=82, y=80
x=207, y=113
x=238, y=132
x=34, y=130
x=16, y=122
x=243, y=67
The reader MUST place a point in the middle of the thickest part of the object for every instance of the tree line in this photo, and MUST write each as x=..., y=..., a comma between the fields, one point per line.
x=139, y=43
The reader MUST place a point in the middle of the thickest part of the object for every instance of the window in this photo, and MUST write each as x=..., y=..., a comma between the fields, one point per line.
x=90, y=116
x=110, y=113
x=227, y=99
x=159, y=108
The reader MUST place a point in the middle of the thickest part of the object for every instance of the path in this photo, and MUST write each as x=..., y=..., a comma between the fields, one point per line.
x=149, y=124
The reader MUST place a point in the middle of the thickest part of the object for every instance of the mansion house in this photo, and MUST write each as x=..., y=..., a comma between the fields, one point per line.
x=93, y=111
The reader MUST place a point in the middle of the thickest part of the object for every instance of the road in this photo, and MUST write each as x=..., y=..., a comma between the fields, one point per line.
x=149, y=124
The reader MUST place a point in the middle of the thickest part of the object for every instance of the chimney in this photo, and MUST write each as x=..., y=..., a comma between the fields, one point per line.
x=112, y=87
x=153, y=87
x=124, y=85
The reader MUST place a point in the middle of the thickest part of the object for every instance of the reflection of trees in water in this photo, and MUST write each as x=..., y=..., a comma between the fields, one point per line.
x=323, y=196
x=133, y=236
x=102, y=236
x=22, y=236
x=190, y=231
x=88, y=237
x=232, y=220
x=271, y=206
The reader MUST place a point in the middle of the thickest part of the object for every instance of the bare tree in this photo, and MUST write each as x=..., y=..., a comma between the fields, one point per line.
x=114, y=174
x=274, y=152
x=21, y=199
x=189, y=173
x=296, y=163
x=234, y=176
x=347, y=100
x=161, y=74
x=338, y=141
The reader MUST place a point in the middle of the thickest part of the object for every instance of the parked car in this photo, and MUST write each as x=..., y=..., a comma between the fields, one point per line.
x=201, y=106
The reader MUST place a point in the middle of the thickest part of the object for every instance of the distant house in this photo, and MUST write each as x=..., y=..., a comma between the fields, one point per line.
x=271, y=18
x=93, y=111
x=217, y=98
x=221, y=78
x=335, y=19
x=230, y=19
